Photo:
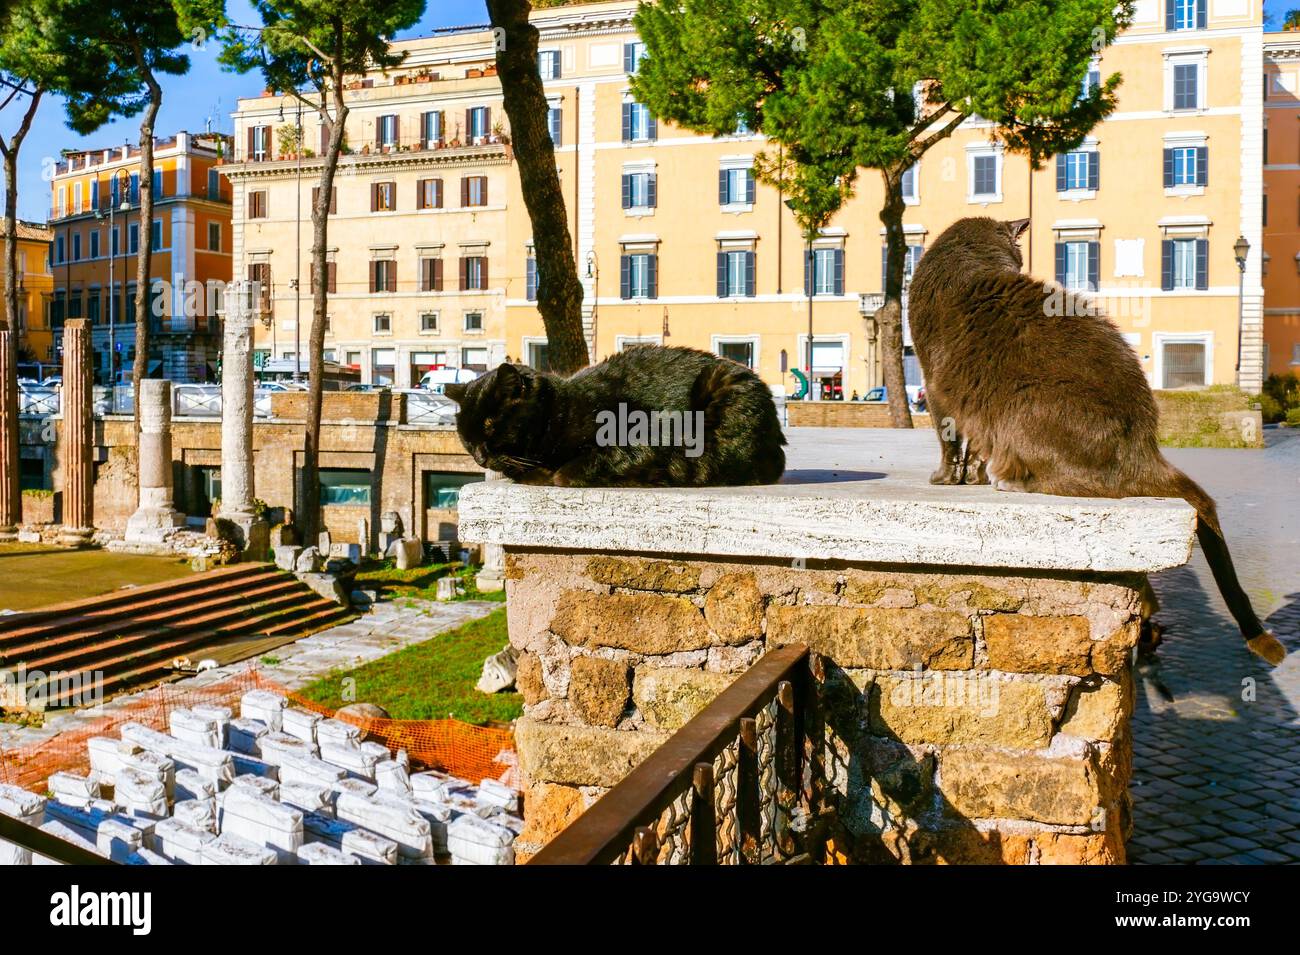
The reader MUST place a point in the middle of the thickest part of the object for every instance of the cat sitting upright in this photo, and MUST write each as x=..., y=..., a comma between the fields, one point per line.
x=1045, y=392
x=646, y=417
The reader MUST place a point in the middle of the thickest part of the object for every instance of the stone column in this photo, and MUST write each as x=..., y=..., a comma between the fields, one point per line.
x=237, y=478
x=492, y=577
x=11, y=501
x=77, y=444
x=155, y=518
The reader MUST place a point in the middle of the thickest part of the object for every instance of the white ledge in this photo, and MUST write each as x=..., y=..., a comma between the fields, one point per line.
x=857, y=495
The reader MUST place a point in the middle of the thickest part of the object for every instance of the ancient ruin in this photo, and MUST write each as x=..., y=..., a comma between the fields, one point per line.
x=237, y=473
x=78, y=434
x=156, y=518
x=10, y=489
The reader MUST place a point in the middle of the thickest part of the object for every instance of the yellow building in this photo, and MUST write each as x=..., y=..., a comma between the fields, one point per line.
x=35, y=284
x=676, y=243
x=95, y=218
x=1281, y=191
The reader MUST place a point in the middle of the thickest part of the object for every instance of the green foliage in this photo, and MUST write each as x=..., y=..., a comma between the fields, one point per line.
x=1293, y=418
x=1270, y=409
x=431, y=680
x=421, y=582
x=1284, y=390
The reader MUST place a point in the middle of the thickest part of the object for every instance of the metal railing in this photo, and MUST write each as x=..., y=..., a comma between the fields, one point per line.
x=52, y=847
x=742, y=783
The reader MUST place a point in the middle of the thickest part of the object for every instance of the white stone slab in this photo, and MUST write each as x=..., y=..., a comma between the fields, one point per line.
x=338, y=732
x=246, y=765
x=221, y=715
x=471, y=853
x=299, y=723
x=179, y=841
x=72, y=789
x=213, y=764
x=309, y=770
x=114, y=836
x=321, y=853
x=392, y=776
x=61, y=831
x=259, y=784
x=26, y=807
x=263, y=705
x=188, y=727
x=429, y=785
x=308, y=797
x=228, y=849
x=190, y=785
x=242, y=735
x=493, y=793
x=370, y=847
x=140, y=793
x=245, y=811
x=390, y=819
x=852, y=494
x=473, y=829
x=276, y=745
x=352, y=758
x=199, y=813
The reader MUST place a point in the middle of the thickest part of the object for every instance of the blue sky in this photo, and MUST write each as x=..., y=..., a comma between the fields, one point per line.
x=209, y=92
x=188, y=102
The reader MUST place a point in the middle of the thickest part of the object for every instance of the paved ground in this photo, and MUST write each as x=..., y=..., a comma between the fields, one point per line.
x=388, y=626
x=1217, y=772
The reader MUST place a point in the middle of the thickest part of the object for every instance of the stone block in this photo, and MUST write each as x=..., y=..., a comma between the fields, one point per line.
x=409, y=553
x=189, y=728
x=644, y=623
x=276, y=746
x=72, y=789
x=299, y=723
x=190, y=785
x=140, y=793
x=733, y=608
x=243, y=733
x=598, y=689
x=319, y=853
x=221, y=715
x=1097, y=712
x=370, y=848
x=528, y=679
x=306, y=797
x=351, y=758
x=230, y=849
x=980, y=784
x=286, y=556
x=449, y=588
x=498, y=671
x=337, y=732
x=656, y=575
x=61, y=831
x=328, y=586
x=308, y=561
x=199, y=813
x=1022, y=644
x=669, y=697
x=475, y=841
x=946, y=707
x=244, y=811
x=24, y=806
x=264, y=706
x=391, y=818
x=877, y=638
x=179, y=841
x=580, y=755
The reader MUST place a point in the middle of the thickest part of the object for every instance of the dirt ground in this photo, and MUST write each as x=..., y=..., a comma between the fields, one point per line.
x=33, y=575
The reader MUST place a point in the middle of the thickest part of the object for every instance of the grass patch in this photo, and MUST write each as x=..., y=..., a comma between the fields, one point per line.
x=421, y=582
x=430, y=680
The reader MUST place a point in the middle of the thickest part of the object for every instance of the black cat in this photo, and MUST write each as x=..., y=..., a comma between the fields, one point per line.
x=646, y=417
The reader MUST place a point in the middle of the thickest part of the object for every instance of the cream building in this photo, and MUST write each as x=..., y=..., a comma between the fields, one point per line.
x=677, y=244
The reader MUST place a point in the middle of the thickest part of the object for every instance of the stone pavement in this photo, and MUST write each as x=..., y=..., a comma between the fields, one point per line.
x=388, y=626
x=1216, y=774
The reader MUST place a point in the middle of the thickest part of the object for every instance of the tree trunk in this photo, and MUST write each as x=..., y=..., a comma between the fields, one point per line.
x=559, y=292
x=889, y=319
x=144, y=255
x=11, y=492
x=309, y=517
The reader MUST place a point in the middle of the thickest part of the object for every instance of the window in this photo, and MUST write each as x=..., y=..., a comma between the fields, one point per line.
x=1183, y=364
x=156, y=235
x=914, y=253
x=825, y=271
x=473, y=273
x=76, y=198
x=386, y=132
x=637, y=278
x=984, y=176
x=383, y=275
x=633, y=54
x=133, y=238
x=431, y=129
x=94, y=243
x=555, y=125
x=76, y=247
x=429, y=323
x=259, y=147
x=383, y=197
x=334, y=198
x=473, y=191
x=478, y=122
x=530, y=278
x=383, y=324
x=135, y=188
x=1091, y=81
x=640, y=190
x=60, y=251
x=115, y=242
x=157, y=184
x=1186, y=166
x=473, y=321
x=257, y=204
x=1184, y=264
x=740, y=352
x=428, y=194
x=214, y=185
x=638, y=124
x=539, y=356
x=442, y=488
x=735, y=187
x=735, y=273
x=214, y=236
x=342, y=486
x=430, y=274
x=475, y=358
x=92, y=307
x=1078, y=265
x=1187, y=93
x=1185, y=15
x=548, y=64
x=1079, y=170
x=383, y=366
x=908, y=185
x=331, y=278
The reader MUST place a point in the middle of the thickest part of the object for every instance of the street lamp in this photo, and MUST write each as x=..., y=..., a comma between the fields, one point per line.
x=1240, y=249
x=593, y=273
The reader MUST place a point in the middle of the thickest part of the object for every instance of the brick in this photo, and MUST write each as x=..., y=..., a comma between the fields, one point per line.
x=580, y=755
x=528, y=679
x=1022, y=644
x=657, y=575
x=644, y=623
x=985, y=785
x=877, y=638
x=1096, y=713
x=598, y=689
x=668, y=697
x=950, y=708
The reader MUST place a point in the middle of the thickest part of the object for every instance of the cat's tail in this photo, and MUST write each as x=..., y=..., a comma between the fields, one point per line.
x=740, y=424
x=1210, y=534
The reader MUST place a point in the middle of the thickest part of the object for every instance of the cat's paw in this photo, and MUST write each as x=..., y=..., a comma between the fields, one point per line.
x=1267, y=647
x=975, y=474
x=948, y=474
x=1002, y=484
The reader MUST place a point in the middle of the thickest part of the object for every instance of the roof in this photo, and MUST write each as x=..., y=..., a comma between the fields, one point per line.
x=30, y=230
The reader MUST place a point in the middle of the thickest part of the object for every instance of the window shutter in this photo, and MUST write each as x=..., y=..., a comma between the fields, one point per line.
x=627, y=191
x=807, y=271
x=252, y=145
x=464, y=190
x=374, y=276
x=1169, y=168
x=652, y=127
x=884, y=265
x=1170, y=6
x=487, y=120
x=483, y=281
x=722, y=275
x=379, y=132
x=652, y=190
x=374, y=196
x=1166, y=264
x=627, y=57
x=464, y=273
x=1094, y=170
x=625, y=276
x=1202, y=264
x=437, y=193
x=1062, y=170
x=483, y=192
x=749, y=274
x=839, y=271
x=749, y=187
x=331, y=276
x=652, y=276
x=1060, y=263
x=1201, y=18
x=469, y=126
x=1094, y=266
x=627, y=122
x=420, y=193
x=1202, y=165
x=437, y=275
x=530, y=279
x=723, y=195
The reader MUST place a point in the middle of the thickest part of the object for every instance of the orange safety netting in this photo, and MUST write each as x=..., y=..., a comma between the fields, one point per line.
x=470, y=752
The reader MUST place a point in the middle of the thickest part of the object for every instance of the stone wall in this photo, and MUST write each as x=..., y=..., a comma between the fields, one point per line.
x=976, y=717
x=1218, y=417
x=845, y=414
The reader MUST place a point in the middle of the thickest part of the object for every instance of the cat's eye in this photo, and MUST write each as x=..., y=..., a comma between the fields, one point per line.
x=488, y=423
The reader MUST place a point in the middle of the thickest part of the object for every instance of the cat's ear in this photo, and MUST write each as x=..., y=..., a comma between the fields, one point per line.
x=510, y=381
x=1017, y=228
x=456, y=392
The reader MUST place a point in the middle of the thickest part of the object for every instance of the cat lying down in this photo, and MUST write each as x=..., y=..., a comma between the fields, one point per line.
x=1033, y=389
x=646, y=417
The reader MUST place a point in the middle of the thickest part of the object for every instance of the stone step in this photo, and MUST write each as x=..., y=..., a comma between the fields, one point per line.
x=54, y=635
x=111, y=604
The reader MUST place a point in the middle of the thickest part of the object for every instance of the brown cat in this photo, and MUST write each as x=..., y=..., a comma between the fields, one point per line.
x=1045, y=393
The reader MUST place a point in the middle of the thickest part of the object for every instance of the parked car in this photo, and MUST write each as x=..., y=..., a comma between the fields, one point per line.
x=915, y=396
x=439, y=378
